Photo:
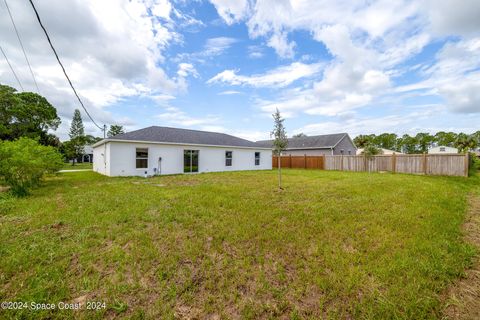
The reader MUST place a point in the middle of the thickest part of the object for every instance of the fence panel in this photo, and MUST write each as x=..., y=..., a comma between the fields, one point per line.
x=304, y=162
x=430, y=164
x=410, y=163
x=447, y=165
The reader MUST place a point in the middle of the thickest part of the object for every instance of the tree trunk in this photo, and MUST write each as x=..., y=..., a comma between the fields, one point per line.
x=279, y=172
x=73, y=161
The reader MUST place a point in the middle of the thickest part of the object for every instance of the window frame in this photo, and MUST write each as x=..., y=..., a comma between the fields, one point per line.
x=191, y=153
x=140, y=158
x=257, y=158
x=228, y=158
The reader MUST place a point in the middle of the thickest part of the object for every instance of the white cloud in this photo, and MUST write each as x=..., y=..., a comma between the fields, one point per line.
x=231, y=11
x=215, y=46
x=369, y=42
x=364, y=125
x=282, y=46
x=279, y=77
x=450, y=17
x=455, y=76
x=111, y=50
x=229, y=92
x=185, y=69
x=255, y=52
x=177, y=117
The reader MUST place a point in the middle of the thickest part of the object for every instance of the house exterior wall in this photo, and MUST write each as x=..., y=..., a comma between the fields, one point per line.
x=346, y=145
x=121, y=159
x=101, y=163
x=439, y=150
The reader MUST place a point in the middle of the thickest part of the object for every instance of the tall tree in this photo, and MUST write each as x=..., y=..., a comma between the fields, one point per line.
x=89, y=139
x=443, y=138
x=363, y=140
x=114, y=130
x=77, y=136
x=26, y=114
x=476, y=136
x=408, y=144
x=465, y=142
x=299, y=135
x=280, y=141
x=424, y=141
x=386, y=141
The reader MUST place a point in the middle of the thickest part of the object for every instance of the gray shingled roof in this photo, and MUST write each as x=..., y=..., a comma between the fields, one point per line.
x=187, y=136
x=310, y=142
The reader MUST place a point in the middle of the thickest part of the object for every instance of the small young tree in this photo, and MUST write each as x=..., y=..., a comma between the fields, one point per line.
x=280, y=141
x=370, y=151
x=114, y=130
x=77, y=136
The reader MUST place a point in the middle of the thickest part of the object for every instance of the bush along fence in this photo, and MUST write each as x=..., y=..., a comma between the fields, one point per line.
x=428, y=164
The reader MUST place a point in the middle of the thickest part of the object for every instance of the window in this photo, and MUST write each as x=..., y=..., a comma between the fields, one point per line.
x=257, y=158
x=228, y=158
x=190, y=161
x=142, y=158
x=349, y=152
x=442, y=149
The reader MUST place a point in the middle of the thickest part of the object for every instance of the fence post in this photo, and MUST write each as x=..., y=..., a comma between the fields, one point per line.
x=305, y=160
x=424, y=163
x=467, y=162
x=341, y=162
x=394, y=162
x=290, y=161
x=364, y=162
x=324, y=164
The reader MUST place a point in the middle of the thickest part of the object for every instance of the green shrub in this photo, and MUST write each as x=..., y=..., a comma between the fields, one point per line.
x=24, y=162
x=474, y=164
x=7, y=201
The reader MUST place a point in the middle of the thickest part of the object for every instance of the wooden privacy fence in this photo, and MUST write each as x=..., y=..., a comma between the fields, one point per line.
x=305, y=162
x=429, y=164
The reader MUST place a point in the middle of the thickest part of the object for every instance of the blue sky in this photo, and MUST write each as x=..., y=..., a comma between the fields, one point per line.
x=329, y=66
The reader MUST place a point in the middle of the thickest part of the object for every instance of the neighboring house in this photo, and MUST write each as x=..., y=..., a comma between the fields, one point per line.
x=164, y=150
x=384, y=151
x=87, y=155
x=442, y=149
x=328, y=144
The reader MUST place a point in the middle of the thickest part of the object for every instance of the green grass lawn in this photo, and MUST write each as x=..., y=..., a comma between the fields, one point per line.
x=68, y=166
x=231, y=245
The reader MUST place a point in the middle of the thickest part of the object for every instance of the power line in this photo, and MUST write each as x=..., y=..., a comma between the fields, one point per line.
x=11, y=68
x=61, y=65
x=21, y=44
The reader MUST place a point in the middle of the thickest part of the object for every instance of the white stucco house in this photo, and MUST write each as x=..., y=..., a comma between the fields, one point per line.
x=164, y=150
x=442, y=149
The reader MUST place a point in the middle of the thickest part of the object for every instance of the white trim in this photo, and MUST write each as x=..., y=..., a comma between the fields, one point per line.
x=104, y=141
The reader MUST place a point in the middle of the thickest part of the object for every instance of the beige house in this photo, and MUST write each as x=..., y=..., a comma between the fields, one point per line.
x=442, y=150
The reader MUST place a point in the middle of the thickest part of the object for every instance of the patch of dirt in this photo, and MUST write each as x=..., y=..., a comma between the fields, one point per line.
x=463, y=298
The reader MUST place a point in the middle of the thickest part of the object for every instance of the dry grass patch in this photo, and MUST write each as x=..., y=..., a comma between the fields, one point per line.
x=463, y=298
x=231, y=246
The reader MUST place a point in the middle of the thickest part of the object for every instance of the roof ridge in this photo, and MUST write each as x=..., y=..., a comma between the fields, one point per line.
x=196, y=130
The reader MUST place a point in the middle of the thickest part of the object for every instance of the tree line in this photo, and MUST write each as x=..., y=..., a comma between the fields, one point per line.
x=28, y=147
x=421, y=142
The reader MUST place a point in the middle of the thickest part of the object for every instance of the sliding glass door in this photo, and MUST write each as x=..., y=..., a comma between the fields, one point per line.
x=190, y=161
